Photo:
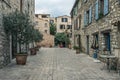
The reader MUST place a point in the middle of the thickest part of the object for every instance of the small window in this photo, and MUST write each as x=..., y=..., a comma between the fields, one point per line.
x=62, y=26
x=64, y=20
x=87, y=17
x=45, y=31
x=101, y=6
x=68, y=26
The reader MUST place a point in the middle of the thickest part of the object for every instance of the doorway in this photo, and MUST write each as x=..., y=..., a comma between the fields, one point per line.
x=107, y=41
x=87, y=44
x=79, y=42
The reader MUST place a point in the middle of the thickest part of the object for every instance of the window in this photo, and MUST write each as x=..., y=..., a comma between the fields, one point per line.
x=45, y=31
x=107, y=41
x=101, y=8
x=69, y=27
x=75, y=11
x=64, y=20
x=79, y=21
x=88, y=17
x=44, y=16
x=62, y=26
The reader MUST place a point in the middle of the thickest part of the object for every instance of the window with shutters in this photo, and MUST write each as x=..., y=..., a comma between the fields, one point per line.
x=85, y=19
x=64, y=20
x=62, y=26
x=88, y=17
x=101, y=8
x=46, y=31
x=69, y=27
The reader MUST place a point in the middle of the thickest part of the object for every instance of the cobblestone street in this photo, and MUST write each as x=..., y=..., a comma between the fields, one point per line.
x=57, y=64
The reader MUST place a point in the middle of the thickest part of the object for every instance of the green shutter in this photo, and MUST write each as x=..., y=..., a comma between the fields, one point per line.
x=85, y=22
x=90, y=14
x=106, y=6
x=96, y=10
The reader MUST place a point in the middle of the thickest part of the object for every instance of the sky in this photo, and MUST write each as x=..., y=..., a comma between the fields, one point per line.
x=54, y=7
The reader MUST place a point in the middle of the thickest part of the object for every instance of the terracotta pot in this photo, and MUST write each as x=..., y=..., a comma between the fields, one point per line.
x=77, y=51
x=21, y=59
x=33, y=51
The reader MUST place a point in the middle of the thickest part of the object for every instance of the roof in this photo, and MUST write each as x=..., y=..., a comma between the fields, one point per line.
x=63, y=16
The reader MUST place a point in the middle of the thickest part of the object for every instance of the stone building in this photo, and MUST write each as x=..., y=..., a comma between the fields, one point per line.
x=6, y=7
x=63, y=24
x=95, y=26
x=42, y=22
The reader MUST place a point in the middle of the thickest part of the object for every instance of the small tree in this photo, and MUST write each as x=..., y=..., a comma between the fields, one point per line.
x=62, y=38
x=36, y=36
x=52, y=29
x=18, y=25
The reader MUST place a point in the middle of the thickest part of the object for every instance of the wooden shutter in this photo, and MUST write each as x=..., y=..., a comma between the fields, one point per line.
x=96, y=10
x=106, y=6
x=85, y=22
x=90, y=14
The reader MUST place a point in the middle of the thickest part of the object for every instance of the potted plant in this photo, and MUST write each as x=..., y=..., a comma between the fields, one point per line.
x=77, y=48
x=17, y=25
x=35, y=38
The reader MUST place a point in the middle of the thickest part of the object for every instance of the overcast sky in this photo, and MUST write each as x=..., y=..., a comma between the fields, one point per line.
x=54, y=7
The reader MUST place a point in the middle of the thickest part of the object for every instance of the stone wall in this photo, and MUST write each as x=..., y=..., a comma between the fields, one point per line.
x=6, y=7
x=98, y=26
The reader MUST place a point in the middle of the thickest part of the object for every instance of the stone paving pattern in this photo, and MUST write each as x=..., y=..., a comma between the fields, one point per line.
x=57, y=64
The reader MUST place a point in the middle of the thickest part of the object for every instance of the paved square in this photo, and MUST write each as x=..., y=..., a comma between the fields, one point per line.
x=57, y=64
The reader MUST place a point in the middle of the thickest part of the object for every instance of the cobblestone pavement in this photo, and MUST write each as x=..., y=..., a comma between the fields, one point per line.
x=57, y=64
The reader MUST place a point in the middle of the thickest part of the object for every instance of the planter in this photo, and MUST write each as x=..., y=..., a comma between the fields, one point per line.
x=21, y=59
x=77, y=51
x=33, y=51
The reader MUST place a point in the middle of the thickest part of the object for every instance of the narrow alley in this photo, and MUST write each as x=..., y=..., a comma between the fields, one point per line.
x=57, y=64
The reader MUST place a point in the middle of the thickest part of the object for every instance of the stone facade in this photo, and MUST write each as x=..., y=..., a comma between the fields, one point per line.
x=43, y=25
x=63, y=24
x=93, y=22
x=6, y=7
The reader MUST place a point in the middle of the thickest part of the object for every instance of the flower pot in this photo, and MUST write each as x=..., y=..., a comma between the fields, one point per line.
x=33, y=51
x=21, y=59
x=77, y=51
